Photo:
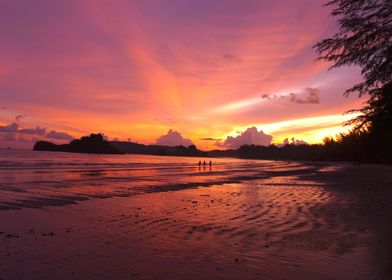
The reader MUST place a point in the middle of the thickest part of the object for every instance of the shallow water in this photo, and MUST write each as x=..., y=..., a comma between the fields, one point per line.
x=36, y=179
x=144, y=217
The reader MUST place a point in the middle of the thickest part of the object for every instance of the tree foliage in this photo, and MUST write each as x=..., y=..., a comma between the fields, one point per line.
x=364, y=39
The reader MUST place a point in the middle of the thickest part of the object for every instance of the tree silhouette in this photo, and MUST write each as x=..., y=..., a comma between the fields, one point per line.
x=364, y=39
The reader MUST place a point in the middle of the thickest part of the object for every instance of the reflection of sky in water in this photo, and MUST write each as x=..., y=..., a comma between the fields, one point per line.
x=241, y=219
x=28, y=175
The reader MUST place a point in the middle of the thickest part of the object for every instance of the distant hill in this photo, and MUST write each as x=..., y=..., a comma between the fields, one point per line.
x=223, y=153
x=135, y=148
x=93, y=144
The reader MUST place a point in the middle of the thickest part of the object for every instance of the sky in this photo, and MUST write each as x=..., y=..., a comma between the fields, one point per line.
x=214, y=73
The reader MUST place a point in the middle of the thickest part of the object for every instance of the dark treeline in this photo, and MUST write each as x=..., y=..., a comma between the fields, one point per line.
x=359, y=147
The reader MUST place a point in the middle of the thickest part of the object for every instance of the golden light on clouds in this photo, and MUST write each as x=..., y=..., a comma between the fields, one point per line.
x=311, y=130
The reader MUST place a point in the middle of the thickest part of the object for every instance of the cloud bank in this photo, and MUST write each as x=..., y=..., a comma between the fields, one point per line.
x=250, y=136
x=15, y=128
x=173, y=138
x=294, y=142
x=14, y=135
x=59, y=135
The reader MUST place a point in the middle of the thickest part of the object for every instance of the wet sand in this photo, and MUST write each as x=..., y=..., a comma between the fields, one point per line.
x=292, y=221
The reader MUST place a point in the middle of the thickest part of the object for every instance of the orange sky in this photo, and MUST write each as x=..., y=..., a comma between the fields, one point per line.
x=136, y=69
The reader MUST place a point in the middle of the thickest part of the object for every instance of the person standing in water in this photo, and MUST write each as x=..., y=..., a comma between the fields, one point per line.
x=210, y=163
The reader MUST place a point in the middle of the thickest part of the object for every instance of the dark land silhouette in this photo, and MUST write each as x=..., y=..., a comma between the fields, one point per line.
x=96, y=144
x=93, y=144
x=354, y=146
x=135, y=148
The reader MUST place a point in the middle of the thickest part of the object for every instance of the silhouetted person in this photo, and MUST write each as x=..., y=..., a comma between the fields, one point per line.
x=210, y=163
x=199, y=162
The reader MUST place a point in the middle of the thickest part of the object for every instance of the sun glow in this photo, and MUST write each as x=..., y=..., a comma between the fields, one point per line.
x=311, y=130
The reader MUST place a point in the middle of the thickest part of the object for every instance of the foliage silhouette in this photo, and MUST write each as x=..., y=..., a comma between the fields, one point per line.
x=94, y=143
x=364, y=39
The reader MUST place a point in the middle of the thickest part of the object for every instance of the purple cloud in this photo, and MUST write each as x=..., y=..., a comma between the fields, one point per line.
x=13, y=127
x=250, y=136
x=59, y=135
x=38, y=130
x=311, y=97
x=9, y=136
x=173, y=138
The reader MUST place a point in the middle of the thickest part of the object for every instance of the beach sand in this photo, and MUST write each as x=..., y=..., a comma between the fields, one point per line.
x=309, y=221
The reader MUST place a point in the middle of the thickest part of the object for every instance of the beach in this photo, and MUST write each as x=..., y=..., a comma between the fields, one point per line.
x=79, y=216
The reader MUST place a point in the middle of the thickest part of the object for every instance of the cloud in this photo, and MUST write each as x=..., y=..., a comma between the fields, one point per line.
x=173, y=138
x=59, y=135
x=9, y=136
x=294, y=142
x=38, y=130
x=13, y=127
x=311, y=98
x=210, y=139
x=250, y=136
x=19, y=117
x=232, y=58
x=24, y=140
x=265, y=96
x=14, y=133
x=308, y=95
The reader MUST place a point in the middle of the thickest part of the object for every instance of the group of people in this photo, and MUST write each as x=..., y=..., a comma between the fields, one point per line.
x=204, y=163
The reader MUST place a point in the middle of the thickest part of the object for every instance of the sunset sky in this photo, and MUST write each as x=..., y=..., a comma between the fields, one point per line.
x=210, y=72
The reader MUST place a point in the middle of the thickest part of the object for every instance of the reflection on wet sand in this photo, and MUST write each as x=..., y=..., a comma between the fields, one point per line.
x=239, y=220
